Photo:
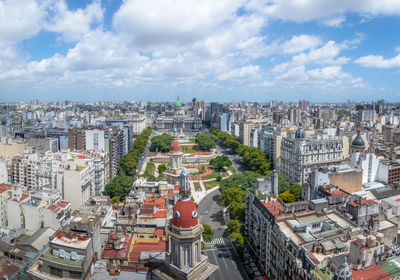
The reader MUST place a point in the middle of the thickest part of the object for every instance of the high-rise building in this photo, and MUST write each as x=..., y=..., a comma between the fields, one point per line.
x=76, y=139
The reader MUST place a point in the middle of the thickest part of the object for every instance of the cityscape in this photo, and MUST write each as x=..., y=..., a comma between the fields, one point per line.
x=199, y=140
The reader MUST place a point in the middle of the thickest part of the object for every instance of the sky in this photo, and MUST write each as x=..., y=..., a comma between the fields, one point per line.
x=225, y=50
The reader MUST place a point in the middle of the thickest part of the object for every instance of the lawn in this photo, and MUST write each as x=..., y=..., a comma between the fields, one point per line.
x=233, y=169
x=211, y=184
x=189, y=149
x=197, y=186
x=150, y=168
x=215, y=174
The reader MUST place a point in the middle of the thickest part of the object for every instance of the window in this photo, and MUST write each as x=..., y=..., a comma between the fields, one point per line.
x=75, y=274
x=176, y=255
x=74, y=256
x=196, y=252
x=55, y=271
x=186, y=255
x=62, y=253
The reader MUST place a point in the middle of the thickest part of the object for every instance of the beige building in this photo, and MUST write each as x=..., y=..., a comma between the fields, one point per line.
x=9, y=148
x=5, y=194
x=367, y=250
x=245, y=128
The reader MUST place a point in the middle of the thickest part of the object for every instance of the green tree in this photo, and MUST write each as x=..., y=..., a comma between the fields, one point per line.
x=205, y=141
x=296, y=191
x=237, y=238
x=208, y=234
x=161, y=168
x=220, y=162
x=234, y=226
x=230, y=195
x=115, y=199
x=161, y=143
x=287, y=196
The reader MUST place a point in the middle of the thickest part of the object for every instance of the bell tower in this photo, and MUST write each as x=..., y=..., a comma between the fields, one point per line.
x=184, y=230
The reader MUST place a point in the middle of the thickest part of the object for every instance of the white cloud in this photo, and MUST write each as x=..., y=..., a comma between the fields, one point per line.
x=308, y=10
x=334, y=22
x=300, y=43
x=74, y=24
x=397, y=49
x=327, y=54
x=153, y=22
x=245, y=72
x=19, y=20
x=377, y=61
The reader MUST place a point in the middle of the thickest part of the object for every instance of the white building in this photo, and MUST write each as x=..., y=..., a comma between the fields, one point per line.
x=369, y=164
x=139, y=123
x=3, y=171
x=95, y=139
x=300, y=155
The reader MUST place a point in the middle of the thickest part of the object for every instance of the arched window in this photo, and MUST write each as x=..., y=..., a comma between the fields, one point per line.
x=196, y=252
x=186, y=255
x=176, y=255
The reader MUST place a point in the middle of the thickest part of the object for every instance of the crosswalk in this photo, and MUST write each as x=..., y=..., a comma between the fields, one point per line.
x=218, y=241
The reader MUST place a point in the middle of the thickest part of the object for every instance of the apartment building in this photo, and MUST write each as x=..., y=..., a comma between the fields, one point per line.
x=300, y=155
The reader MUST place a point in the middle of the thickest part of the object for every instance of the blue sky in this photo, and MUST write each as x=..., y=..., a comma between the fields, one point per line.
x=225, y=50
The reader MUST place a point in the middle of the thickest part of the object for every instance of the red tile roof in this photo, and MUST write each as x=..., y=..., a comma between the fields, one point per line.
x=274, y=207
x=159, y=232
x=4, y=188
x=155, y=201
x=140, y=247
x=109, y=251
x=161, y=213
x=23, y=196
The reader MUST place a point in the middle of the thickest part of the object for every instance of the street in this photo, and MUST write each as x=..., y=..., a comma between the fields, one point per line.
x=236, y=162
x=220, y=252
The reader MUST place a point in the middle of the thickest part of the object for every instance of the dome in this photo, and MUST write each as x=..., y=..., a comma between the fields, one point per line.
x=175, y=146
x=300, y=132
x=358, y=141
x=178, y=103
x=185, y=172
x=343, y=272
x=185, y=214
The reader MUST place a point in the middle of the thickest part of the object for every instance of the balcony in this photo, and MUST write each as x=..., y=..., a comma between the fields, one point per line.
x=49, y=256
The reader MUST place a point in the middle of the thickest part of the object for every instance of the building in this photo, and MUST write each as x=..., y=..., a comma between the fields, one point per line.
x=299, y=155
x=175, y=166
x=72, y=250
x=184, y=230
x=5, y=195
x=139, y=123
x=245, y=128
x=358, y=144
x=389, y=171
x=290, y=241
x=178, y=123
x=367, y=251
x=76, y=139
x=94, y=140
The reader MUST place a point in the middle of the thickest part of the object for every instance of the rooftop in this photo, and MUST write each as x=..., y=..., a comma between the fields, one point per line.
x=71, y=240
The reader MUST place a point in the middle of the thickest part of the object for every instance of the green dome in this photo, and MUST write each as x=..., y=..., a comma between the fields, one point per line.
x=178, y=103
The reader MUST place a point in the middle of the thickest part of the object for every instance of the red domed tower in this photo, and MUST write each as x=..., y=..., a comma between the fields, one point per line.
x=184, y=231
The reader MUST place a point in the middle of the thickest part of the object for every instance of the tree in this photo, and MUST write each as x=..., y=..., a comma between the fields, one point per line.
x=296, y=191
x=161, y=143
x=161, y=168
x=230, y=195
x=234, y=226
x=237, y=238
x=287, y=196
x=205, y=141
x=208, y=234
x=115, y=199
x=220, y=162
x=237, y=210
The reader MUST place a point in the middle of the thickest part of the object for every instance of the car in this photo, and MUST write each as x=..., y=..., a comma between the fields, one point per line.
x=206, y=212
